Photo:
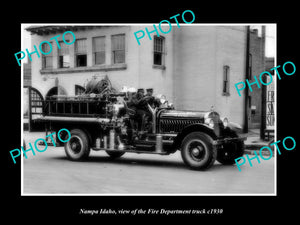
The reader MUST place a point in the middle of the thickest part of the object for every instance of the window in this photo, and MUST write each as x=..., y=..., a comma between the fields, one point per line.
x=159, y=50
x=99, y=50
x=80, y=52
x=79, y=90
x=47, y=59
x=63, y=56
x=118, y=48
x=226, y=80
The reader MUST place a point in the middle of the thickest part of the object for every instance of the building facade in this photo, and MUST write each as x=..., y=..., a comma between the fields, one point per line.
x=194, y=66
x=270, y=96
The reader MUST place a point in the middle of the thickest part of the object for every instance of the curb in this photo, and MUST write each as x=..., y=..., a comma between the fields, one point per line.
x=251, y=148
x=254, y=146
x=264, y=152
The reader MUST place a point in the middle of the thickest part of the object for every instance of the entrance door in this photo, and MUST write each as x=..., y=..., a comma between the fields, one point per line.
x=36, y=104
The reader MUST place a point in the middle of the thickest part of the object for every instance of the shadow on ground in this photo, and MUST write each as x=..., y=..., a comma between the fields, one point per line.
x=142, y=162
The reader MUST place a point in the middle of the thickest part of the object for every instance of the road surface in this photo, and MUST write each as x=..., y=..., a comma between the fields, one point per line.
x=50, y=172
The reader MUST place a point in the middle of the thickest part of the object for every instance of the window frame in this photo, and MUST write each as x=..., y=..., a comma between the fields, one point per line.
x=60, y=53
x=102, y=51
x=162, y=52
x=84, y=53
x=226, y=81
x=47, y=57
x=114, y=49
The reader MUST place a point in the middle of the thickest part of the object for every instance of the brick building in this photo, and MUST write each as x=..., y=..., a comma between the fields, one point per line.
x=195, y=66
x=256, y=67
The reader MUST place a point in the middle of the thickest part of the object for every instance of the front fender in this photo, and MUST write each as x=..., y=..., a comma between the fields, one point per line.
x=235, y=127
x=192, y=128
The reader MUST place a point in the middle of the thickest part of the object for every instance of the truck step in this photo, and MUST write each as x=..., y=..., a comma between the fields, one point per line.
x=138, y=151
x=151, y=142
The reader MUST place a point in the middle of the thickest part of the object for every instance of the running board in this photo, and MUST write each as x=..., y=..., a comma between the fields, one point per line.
x=131, y=151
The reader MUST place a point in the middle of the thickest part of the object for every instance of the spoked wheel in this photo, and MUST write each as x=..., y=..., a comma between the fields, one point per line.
x=197, y=151
x=77, y=148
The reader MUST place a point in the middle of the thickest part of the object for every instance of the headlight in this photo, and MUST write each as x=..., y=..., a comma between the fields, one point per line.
x=163, y=99
x=171, y=105
x=225, y=122
x=210, y=122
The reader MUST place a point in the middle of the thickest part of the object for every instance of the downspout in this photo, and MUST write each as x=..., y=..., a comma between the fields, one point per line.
x=245, y=127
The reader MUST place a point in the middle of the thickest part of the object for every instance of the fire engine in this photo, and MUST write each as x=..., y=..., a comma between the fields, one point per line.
x=103, y=119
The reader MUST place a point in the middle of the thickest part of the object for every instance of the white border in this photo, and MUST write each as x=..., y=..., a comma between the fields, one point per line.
x=144, y=194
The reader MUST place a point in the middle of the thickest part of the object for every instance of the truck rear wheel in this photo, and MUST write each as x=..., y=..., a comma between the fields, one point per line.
x=197, y=151
x=77, y=148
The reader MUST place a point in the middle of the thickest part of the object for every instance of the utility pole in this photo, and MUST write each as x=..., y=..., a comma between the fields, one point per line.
x=245, y=128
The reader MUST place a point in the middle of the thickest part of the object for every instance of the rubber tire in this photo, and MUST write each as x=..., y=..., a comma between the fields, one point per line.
x=84, y=150
x=233, y=150
x=210, y=151
x=114, y=155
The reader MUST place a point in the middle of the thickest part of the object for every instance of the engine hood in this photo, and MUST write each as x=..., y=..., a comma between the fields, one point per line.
x=187, y=114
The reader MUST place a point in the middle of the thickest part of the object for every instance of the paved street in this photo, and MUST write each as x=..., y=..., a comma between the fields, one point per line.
x=50, y=172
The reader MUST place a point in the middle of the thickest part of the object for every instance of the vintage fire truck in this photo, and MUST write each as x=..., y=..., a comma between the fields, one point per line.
x=102, y=119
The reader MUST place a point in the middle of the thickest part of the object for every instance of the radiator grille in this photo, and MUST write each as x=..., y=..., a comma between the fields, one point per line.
x=171, y=125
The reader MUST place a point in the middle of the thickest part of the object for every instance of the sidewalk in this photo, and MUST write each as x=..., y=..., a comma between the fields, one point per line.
x=254, y=143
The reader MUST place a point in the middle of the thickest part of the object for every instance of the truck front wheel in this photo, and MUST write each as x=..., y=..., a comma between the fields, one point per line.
x=197, y=151
x=77, y=148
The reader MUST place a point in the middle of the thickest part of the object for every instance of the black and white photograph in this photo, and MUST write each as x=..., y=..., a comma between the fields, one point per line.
x=149, y=113
x=134, y=109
